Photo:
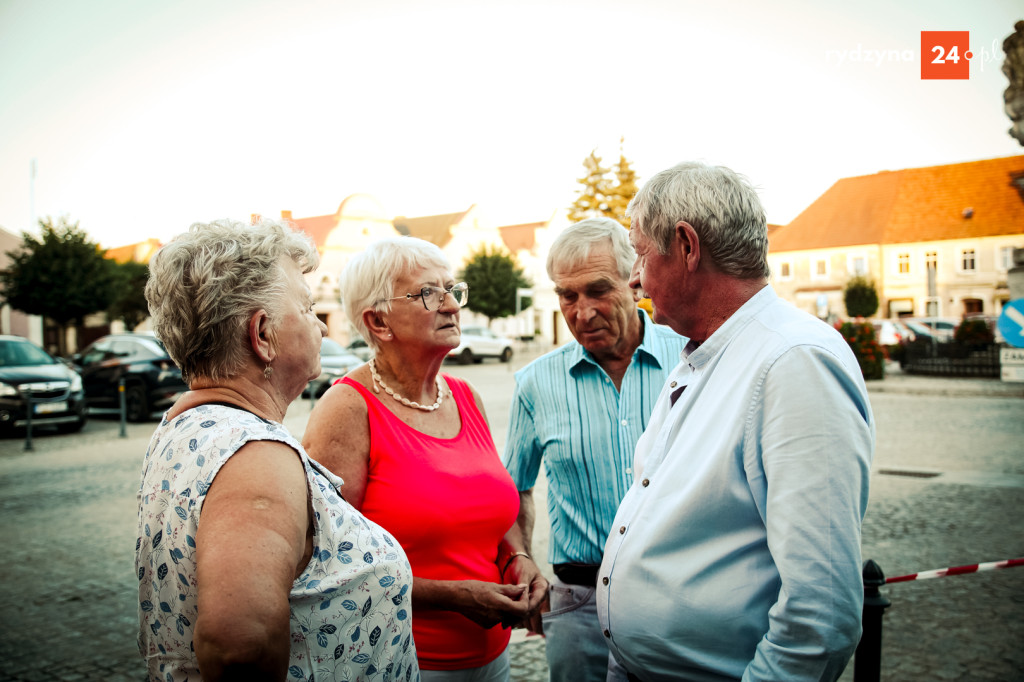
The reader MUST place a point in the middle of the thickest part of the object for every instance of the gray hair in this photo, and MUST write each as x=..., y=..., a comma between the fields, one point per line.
x=573, y=246
x=721, y=206
x=368, y=280
x=205, y=285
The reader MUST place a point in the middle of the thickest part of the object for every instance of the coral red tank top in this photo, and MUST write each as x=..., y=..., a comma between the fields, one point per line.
x=449, y=502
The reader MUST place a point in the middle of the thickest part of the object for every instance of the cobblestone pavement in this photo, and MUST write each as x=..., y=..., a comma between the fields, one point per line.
x=948, y=489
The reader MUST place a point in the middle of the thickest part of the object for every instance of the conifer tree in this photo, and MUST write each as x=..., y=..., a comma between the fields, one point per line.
x=592, y=198
x=624, y=189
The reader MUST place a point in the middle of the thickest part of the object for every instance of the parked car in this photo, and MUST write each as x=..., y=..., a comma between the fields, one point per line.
x=151, y=379
x=919, y=331
x=942, y=327
x=335, y=362
x=29, y=373
x=891, y=332
x=359, y=348
x=480, y=342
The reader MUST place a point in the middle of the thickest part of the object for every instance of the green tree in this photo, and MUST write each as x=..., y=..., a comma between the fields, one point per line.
x=860, y=297
x=130, y=304
x=493, y=277
x=592, y=198
x=624, y=189
x=60, y=275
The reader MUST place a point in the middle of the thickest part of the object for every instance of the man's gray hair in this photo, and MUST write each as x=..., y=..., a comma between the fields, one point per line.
x=573, y=246
x=721, y=206
x=368, y=281
x=206, y=284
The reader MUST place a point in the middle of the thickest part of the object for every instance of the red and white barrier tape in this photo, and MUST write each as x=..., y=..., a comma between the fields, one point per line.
x=956, y=570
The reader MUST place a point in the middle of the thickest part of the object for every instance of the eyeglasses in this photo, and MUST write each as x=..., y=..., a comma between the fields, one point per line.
x=433, y=297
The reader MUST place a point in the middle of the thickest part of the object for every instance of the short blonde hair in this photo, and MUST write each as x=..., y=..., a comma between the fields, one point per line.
x=368, y=280
x=205, y=285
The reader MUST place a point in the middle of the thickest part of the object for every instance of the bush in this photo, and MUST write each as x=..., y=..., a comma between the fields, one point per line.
x=865, y=346
x=860, y=297
x=974, y=334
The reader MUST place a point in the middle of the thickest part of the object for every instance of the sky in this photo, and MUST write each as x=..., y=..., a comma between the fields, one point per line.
x=140, y=117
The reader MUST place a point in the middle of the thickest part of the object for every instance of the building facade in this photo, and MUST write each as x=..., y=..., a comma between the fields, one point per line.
x=936, y=241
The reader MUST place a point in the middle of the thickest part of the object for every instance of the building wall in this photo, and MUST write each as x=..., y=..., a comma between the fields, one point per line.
x=814, y=279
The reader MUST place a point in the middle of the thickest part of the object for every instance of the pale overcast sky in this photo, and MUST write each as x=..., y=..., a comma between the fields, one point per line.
x=144, y=116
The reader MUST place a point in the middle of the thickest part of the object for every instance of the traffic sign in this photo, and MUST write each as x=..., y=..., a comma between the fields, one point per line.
x=1011, y=322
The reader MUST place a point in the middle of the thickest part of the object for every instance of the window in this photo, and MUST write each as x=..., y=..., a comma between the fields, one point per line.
x=931, y=266
x=903, y=263
x=785, y=270
x=1004, y=258
x=967, y=263
x=820, y=269
x=857, y=265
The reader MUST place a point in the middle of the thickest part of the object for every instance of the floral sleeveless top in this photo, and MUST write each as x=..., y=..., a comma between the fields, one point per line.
x=351, y=612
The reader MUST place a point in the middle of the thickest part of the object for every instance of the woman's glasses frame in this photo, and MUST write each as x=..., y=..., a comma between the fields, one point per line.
x=460, y=292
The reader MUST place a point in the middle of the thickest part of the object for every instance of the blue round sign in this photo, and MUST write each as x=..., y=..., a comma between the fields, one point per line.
x=1011, y=322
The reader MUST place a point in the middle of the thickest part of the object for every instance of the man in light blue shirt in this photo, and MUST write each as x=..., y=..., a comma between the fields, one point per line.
x=580, y=409
x=736, y=552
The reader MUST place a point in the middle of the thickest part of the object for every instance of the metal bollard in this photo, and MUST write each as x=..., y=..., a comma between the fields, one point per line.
x=867, y=662
x=124, y=408
x=28, y=420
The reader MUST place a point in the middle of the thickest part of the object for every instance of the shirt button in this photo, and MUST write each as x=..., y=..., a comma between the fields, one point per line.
x=629, y=470
x=623, y=422
x=607, y=634
x=604, y=580
x=646, y=482
x=622, y=530
x=672, y=385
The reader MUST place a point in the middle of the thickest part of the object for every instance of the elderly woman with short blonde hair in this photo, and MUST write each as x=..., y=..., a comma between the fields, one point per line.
x=416, y=454
x=250, y=563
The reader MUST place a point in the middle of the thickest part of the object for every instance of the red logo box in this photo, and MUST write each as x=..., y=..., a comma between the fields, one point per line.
x=945, y=55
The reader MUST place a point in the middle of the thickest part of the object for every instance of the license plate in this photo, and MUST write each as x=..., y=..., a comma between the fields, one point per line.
x=49, y=408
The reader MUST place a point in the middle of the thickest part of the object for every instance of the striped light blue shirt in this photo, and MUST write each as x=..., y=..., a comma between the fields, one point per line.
x=566, y=411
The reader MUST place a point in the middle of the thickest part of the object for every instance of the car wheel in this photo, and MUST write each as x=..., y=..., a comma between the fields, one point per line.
x=465, y=357
x=136, y=405
x=506, y=355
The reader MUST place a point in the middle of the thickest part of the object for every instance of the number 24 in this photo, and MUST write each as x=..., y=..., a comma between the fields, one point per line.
x=952, y=55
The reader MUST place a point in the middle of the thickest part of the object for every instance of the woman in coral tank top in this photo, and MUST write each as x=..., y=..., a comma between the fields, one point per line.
x=417, y=457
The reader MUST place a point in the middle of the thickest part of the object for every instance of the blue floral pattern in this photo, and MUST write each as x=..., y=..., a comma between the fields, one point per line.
x=351, y=613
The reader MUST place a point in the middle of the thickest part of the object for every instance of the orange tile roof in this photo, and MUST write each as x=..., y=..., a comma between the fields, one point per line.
x=956, y=201
x=140, y=252
x=318, y=227
x=432, y=228
x=518, y=237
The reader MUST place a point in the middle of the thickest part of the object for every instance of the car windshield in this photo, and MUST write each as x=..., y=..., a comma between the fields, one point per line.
x=23, y=354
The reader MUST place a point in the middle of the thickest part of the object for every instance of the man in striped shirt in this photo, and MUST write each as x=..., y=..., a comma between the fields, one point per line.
x=581, y=409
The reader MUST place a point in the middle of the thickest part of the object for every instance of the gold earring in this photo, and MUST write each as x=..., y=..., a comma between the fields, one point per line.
x=267, y=372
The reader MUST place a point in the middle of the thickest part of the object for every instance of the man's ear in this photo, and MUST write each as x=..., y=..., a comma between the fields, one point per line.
x=261, y=336
x=688, y=244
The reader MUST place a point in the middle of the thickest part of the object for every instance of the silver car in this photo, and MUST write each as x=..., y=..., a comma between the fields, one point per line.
x=478, y=343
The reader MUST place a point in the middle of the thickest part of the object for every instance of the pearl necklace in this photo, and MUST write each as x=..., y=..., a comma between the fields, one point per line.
x=404, y=401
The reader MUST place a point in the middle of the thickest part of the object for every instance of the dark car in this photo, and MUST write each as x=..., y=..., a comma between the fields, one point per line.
x=29, y=373
x=335, y=362
x=151, y=379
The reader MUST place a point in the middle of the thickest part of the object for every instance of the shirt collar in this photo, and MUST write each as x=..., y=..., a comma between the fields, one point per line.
x=698, y=357
x=580, y=355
